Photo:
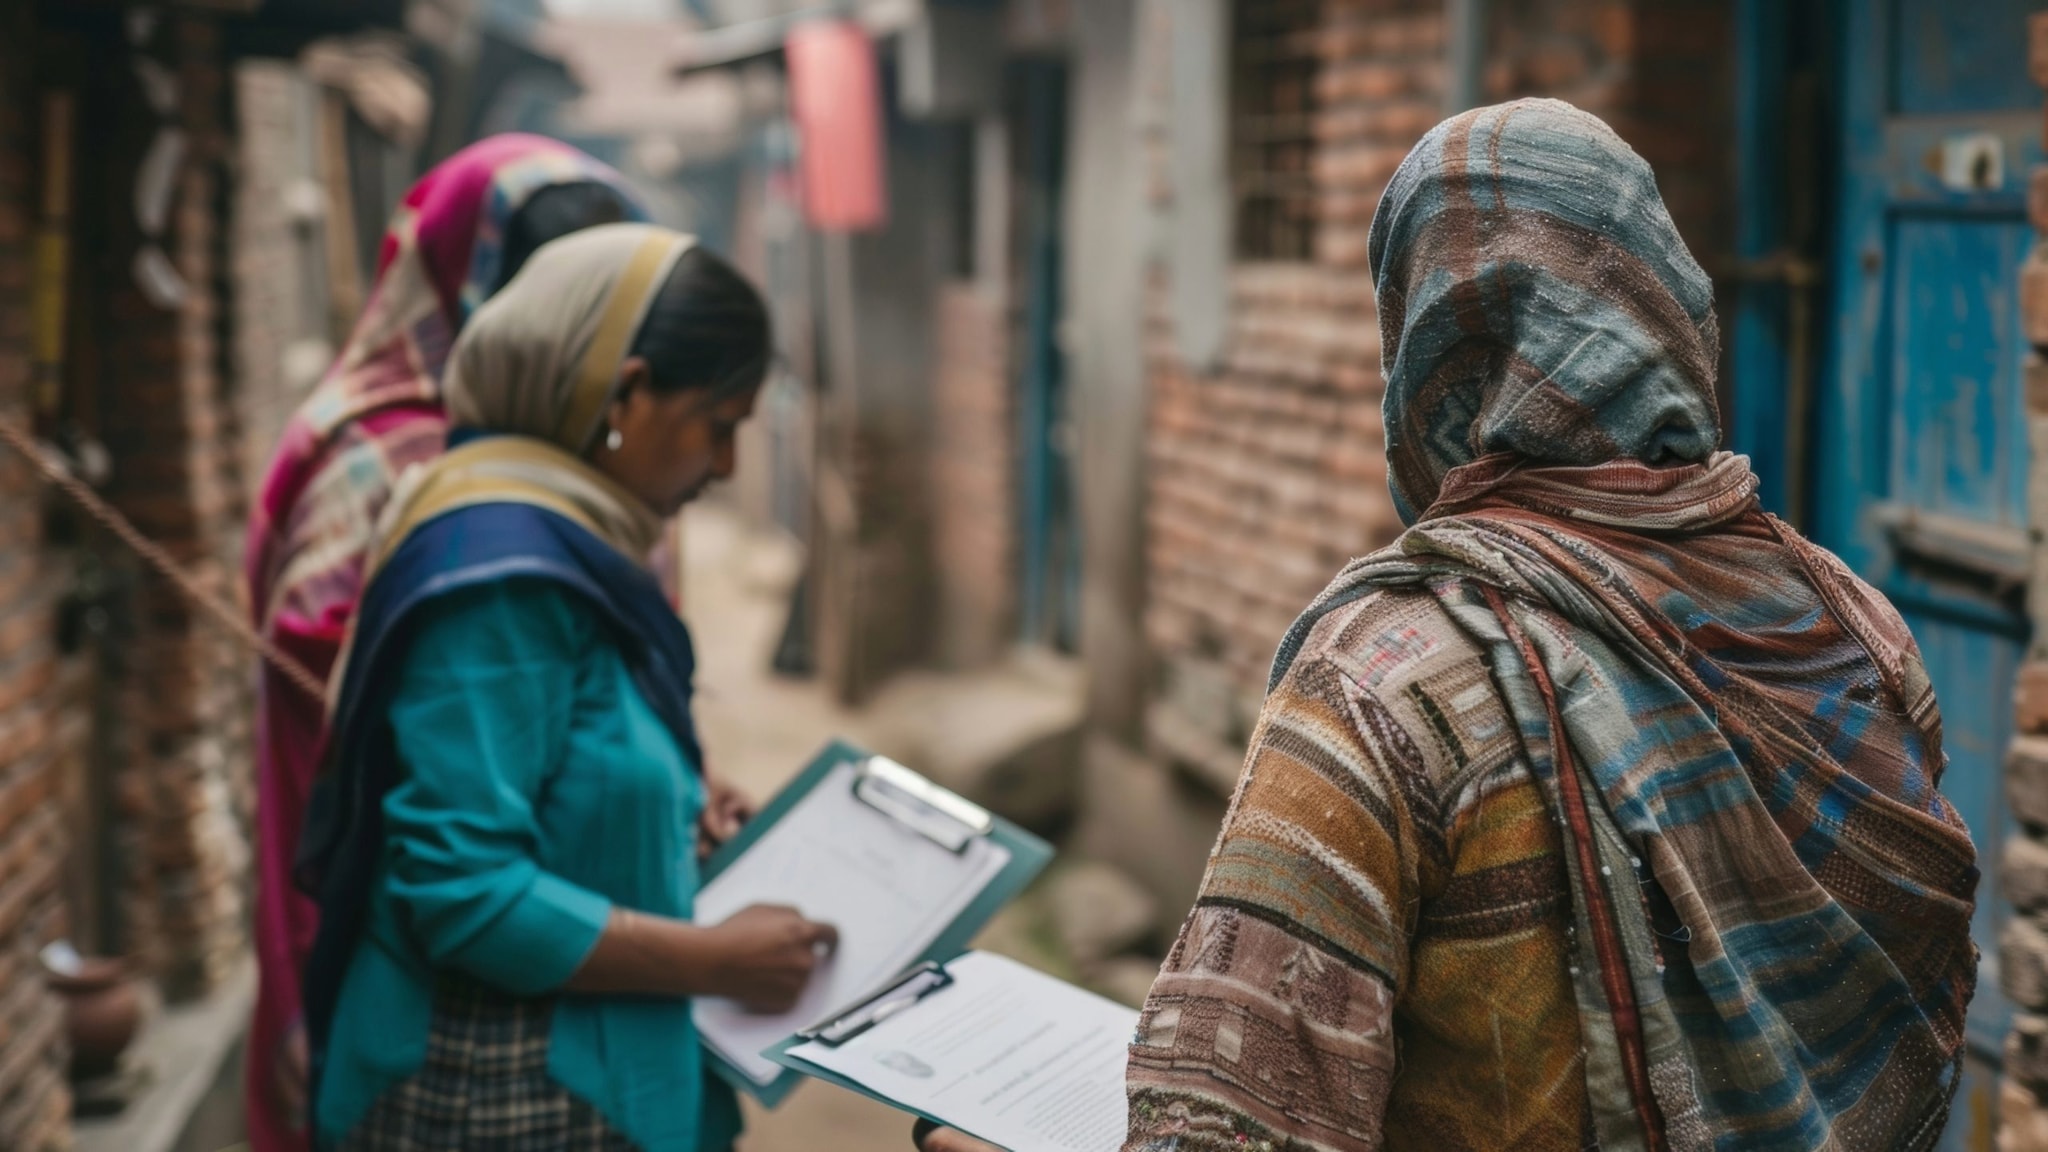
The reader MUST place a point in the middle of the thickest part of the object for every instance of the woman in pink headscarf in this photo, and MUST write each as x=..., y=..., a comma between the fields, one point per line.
x=460, y=234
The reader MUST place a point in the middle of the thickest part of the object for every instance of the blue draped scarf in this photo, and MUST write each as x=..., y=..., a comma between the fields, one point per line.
x=472, y=544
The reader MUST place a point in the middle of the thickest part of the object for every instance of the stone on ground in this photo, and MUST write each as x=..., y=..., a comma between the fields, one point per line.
x=1007, y=737
x=1099, y=912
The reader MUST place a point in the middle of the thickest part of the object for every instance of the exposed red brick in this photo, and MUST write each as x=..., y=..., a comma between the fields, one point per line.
x=33, y=1097
x=178, y=475
x=2023, y=963
x=974, y=463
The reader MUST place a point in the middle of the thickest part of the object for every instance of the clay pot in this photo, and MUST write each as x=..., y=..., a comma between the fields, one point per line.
x=102, y=1010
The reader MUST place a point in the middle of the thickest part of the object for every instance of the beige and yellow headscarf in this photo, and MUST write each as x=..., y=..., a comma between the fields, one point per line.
x=539, y=362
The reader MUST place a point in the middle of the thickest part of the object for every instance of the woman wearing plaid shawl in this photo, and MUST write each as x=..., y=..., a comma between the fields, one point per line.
x=1600, y=809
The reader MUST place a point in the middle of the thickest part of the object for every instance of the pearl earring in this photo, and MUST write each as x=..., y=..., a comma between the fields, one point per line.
x=613, y=440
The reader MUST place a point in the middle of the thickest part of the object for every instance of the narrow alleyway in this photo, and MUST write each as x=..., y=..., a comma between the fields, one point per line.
x=760, y=729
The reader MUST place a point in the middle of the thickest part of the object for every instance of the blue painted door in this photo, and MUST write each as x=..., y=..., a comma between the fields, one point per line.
x=1921, y=454
x=1049, y=528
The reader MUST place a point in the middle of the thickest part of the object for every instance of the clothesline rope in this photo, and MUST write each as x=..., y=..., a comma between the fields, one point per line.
x=227, y=615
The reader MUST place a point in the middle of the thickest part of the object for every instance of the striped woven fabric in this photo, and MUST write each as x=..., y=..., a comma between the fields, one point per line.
x=1600, y=809
x=1536, y=300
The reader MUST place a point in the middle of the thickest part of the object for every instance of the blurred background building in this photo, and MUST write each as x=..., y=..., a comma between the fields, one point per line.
x=1077, y=402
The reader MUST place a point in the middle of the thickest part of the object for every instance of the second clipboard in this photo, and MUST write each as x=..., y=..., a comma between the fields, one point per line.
x=920, y=806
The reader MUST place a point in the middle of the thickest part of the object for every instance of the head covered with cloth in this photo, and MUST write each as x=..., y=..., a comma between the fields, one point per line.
x=1772, y=900
x=1599, y=809
x=461, y=232
x=1536, y=302
x=539, y=484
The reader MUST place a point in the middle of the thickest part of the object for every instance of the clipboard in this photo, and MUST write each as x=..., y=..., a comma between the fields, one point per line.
x=1053, y=1049
x=804, y=1070
x=935, y=814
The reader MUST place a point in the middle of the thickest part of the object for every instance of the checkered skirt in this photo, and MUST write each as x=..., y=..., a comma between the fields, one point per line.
x=484, y=1086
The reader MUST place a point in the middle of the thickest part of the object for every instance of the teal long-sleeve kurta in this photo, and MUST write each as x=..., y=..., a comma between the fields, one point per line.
x=539, y=791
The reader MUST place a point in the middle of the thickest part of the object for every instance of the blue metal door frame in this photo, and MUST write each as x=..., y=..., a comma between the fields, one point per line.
x=1916, y=446
x=1784, y=59
x=1048, y=529
x=1756, y=359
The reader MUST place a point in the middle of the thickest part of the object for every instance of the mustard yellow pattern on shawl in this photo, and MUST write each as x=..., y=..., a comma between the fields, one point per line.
x=519, y=470
x=1389, y=868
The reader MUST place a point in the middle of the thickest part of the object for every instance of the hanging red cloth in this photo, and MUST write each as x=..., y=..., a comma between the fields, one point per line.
x=835, y=96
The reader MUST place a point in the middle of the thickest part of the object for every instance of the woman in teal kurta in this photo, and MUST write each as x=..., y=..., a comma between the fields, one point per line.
x=511, y=957
x=539, y=789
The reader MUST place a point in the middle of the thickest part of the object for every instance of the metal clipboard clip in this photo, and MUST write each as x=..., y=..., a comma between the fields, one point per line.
x=920, y=805
x=906, y=993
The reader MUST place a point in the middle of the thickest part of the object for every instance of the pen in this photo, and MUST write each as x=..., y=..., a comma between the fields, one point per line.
x=921, y=984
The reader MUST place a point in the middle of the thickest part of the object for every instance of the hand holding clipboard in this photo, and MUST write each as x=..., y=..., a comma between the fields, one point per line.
x=929, y=1137
x=766, y=955
x=910, y=872
x=905, y=870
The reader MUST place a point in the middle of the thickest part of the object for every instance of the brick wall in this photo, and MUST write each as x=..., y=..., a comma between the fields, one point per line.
x=34, y=1099
x=973, y=476
x=170, y=711
x=2023, y=859
x=1268, y=474
x=182, y=788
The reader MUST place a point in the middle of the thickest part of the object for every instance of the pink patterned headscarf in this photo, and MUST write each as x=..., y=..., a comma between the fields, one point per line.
x=440, y=259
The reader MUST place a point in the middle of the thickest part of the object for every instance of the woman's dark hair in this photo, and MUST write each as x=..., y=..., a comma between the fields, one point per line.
x=552, y=213
x=706, y=328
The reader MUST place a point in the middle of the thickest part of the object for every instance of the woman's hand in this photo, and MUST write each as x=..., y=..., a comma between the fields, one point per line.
x=764, y=956
x=726, y=811
x=929, y=1137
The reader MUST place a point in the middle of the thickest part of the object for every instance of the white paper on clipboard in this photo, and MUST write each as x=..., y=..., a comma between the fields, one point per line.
x=1008, y=1054
x=888, y=889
